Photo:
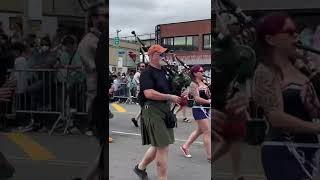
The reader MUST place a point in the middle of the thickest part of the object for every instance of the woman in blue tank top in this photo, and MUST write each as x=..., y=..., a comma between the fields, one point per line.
x=289, y=102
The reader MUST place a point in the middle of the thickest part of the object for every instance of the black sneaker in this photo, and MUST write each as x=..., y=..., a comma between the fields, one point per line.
x=110, y=115
x=141, y=173
x=135, y=122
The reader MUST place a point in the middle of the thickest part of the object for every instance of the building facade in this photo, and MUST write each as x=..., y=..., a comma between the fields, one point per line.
x=190, y=41
x=42, y=17
x=119, y=59
x=148, y=39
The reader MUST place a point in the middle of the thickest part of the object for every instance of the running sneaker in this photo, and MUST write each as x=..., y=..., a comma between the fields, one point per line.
x=89, y=133
x=185, y=152
x=135, y=122
x=141, y=173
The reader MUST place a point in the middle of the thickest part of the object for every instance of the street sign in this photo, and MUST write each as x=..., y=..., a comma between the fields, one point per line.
x=121, y=53
x=117, y=41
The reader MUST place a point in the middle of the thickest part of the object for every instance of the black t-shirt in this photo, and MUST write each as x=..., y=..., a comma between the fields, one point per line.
x=156, y=79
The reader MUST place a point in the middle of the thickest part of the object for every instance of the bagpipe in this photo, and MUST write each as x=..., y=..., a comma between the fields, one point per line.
x=234, y=53
x=180, y=78
x=305, y=65
x=234, y=58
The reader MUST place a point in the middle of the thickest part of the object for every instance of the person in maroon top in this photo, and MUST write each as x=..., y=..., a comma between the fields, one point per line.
x=229, y=130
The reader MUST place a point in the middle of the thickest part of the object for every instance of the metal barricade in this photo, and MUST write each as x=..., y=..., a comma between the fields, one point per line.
x=48, y=91
x=124, y=94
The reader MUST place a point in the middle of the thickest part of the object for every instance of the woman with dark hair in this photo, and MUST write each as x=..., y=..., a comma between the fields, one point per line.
x=288, y=100
x=202, y=97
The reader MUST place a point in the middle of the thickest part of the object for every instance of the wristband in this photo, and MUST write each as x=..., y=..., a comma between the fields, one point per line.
x=168, y=97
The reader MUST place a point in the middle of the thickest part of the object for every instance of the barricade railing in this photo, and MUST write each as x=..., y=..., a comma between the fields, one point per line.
x=49, y=91
x=124, y=93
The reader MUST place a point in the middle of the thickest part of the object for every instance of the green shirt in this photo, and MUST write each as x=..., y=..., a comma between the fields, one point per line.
x=72, y=76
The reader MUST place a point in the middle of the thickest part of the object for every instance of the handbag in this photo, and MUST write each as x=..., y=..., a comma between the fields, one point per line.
x=190, y=103
x=171, y=120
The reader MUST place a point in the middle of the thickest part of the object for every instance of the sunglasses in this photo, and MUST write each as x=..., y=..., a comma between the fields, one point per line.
x=200, y=71
x=291, y=31
x=162, y=55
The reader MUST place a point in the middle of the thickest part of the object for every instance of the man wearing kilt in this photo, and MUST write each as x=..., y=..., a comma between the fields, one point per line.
x=155, y=99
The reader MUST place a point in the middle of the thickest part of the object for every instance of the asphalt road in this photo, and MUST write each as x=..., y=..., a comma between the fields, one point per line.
x=38, y=156
x=126, y=150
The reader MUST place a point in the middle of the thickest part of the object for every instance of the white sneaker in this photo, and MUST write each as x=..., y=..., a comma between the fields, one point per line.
x=89, y=133
x=185, y=152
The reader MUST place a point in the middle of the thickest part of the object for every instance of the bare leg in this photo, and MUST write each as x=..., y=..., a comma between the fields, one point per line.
x=206, y=130
x=149, y=156
x=180, y=108
x=162, y=162
x=193, y=136
x=138, y=116
x=235, y=153
x=184, y=112
x=222, y=149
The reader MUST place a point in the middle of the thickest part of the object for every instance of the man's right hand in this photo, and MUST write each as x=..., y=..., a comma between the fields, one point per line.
x=5, y=94
x=175, y=99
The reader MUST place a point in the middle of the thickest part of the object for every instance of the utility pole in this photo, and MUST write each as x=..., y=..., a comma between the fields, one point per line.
x=117, y=43
x=119, y=30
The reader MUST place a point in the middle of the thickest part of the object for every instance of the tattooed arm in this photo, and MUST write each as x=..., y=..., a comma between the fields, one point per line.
x=267, y=94
x=194, y=91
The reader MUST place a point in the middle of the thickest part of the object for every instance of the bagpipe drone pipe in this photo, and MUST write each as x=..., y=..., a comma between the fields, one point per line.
x=179, y=78
x=234, y=59
x=234, y=63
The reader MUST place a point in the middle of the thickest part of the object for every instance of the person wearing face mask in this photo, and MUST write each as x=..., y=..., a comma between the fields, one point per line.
x=45, y=57
x=87, y=50
x=69, y=73
x=155, y=99
x=22, y=53
x=41, y=95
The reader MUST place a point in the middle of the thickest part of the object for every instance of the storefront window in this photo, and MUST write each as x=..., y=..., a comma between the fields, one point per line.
x=192, y=43
x=167, y=43
x=207, y=41
x=179, y=43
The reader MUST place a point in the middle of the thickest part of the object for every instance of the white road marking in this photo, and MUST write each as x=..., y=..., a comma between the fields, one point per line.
x=135, y=113
x=135, y=134
x=227, y=174
x=53, y=162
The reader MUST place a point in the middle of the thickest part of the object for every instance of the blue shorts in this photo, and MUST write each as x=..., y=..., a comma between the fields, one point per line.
x=280, y=164
x=200, y=113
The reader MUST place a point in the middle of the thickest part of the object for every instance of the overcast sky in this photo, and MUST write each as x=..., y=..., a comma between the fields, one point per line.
x=143, y=15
